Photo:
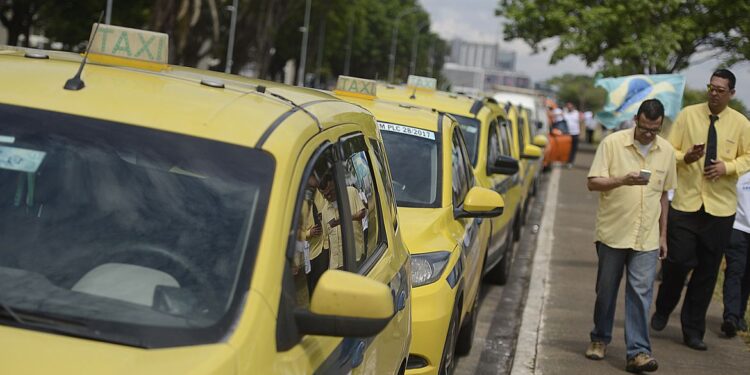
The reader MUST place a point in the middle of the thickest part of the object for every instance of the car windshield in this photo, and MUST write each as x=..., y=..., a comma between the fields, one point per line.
x=125, y=234
x=414, y=164
x=470, y=128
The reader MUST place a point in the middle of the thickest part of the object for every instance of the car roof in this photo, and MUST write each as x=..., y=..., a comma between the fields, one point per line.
x=459, y=104
x=177, y=99
x=398, y=113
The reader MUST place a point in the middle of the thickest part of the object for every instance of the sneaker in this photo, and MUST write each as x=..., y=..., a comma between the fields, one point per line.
x=596, y=350
x=642, y=362
x=658, y=322
x=729, y=328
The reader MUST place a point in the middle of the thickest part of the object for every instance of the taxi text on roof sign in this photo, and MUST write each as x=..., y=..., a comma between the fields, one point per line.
x=358, y=87
x=123, y=46
x=422, y=82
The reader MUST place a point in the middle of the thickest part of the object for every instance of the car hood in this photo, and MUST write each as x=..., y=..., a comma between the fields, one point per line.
x=32, y=352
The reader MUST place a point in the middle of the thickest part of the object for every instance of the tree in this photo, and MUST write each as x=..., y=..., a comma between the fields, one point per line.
x=626, y=37
x=579, y=90
x=690, y=97
x=18, y=16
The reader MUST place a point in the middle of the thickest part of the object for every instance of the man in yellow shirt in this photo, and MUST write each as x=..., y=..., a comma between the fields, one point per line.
x=332, y=224
x=630, y=229
x=712, y=146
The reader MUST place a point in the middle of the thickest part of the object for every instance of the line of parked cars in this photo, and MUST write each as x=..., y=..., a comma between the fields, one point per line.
x=158, y=219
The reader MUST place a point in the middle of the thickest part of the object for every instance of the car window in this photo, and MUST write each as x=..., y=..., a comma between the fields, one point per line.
x=459, y=169
x=505, y=137
x=470, y=128
x=317, y=239
x=363, y=201
x=416, y=169
x=385, y=175
x=494, y=146
x=521, y=141
x=143, y=237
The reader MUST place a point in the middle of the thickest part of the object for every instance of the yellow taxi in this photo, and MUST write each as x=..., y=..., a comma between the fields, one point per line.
x=528, y=153
x=489, y=142
x=440, y=217
x=159, y=220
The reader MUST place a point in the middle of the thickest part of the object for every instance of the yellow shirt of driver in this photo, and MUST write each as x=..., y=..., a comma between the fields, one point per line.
x=628, y=216
x=333, y=234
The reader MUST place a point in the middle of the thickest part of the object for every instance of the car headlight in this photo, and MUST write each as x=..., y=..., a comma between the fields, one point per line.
x=426, y=268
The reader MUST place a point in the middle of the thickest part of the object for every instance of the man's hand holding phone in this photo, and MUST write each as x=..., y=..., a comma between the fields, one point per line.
x=636, y=178
x=694, y=153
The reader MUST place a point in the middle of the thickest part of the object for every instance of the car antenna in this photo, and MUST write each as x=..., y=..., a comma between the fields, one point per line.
x=76, y=83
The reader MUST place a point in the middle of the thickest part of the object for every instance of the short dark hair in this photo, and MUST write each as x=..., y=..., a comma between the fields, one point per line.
x=726, y=74
x=652, y=109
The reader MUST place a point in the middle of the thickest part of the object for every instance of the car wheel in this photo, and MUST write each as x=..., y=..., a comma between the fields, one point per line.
x=499, y=274
x=448, y=361
x=466, y=334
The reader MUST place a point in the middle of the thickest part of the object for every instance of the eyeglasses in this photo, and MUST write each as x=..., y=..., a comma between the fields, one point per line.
x=719, y=90
x=647, y=130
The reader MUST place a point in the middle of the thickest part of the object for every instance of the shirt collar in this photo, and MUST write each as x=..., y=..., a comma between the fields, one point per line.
x=708, y=111
x=630, y=139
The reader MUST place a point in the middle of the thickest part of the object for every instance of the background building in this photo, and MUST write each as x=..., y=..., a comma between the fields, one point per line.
x=475, y=68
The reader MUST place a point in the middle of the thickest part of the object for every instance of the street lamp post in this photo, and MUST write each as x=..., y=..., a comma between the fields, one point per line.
x=414, y=46
x=303, y=54
x=394, y=38
x=230, y=45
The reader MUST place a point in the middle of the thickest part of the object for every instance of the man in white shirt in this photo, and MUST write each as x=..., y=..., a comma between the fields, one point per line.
x=588, y=119
x=737, y=273
x=573, y=119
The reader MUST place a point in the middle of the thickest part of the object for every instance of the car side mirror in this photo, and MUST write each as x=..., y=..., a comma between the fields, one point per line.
x=531, y=152
x=480, y=203
x=503, y=165
x=540, y=140
x=346, y=304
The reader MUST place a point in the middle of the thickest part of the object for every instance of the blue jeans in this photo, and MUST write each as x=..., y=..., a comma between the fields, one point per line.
x=641, y=271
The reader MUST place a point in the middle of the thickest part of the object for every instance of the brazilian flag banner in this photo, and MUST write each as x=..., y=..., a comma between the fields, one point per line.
x=625, y=95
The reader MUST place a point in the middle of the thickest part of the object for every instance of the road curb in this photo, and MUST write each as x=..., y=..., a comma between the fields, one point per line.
x=524, y=361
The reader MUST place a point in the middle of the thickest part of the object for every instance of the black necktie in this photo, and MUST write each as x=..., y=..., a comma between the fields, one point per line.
x=711, y=142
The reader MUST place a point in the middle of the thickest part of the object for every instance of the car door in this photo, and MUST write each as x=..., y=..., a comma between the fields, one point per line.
x=497, y=146
x=473, y=228
x=340, y=201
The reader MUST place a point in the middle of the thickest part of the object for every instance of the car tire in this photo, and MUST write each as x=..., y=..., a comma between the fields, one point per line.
x=448, y=360
x=466, y=334
x=498, y=275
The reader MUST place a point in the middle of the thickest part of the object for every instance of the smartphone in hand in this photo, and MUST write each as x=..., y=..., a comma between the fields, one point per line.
x=645, y=174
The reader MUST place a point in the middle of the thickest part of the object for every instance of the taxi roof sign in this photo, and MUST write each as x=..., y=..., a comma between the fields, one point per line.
x=132, y=47
x=420, y=82
x=357, y=87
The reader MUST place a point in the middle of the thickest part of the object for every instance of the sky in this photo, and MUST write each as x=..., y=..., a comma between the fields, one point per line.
x=474, y=20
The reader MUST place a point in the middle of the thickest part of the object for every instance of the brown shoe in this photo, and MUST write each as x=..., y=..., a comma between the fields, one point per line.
x=642, y=362
x=596, y=350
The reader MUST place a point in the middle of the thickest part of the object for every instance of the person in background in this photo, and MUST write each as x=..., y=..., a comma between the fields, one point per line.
x=712, y=146
x=590, y=122
x=573, y=119
x=631, y=230
x=737, y=274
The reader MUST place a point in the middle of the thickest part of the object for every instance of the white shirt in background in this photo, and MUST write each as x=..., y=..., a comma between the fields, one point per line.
x=742, y=218
x=573, y=118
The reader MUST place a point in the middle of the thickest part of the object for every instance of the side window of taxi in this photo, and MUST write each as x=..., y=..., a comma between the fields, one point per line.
x=385, y=175
x=316, y=235
x=459, y=169
x=504, y=131
x=493, y=143
x=363, y=201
